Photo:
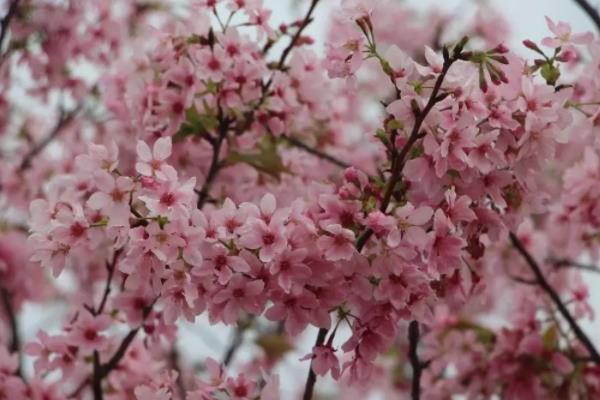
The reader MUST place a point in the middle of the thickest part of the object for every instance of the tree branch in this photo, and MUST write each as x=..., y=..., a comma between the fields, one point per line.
x=590, y=11
x=236, y=342
x=215, y=164
x=417, y=366
x=305, y=22
x=174, y=361
x=399, y=158
x=15, y=341
x=64, y=119
x=311, y=380
x=398, y=161
x=110, y=268
x=315, y=152
x=566, y=263
x=562, y=308
x=12, y=9
x=97, y=379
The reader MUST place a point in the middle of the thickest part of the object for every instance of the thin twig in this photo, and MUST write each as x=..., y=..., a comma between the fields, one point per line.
x=303, y=25
x=315, y=152
x=236, y=342
x=15, y=340
x=590, y=11
x=110, y=268
x=566, y=263
x=562, y=308
x=417, y=366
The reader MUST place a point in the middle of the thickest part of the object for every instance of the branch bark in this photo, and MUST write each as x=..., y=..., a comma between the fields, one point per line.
x=590, y=11
x=398, y=161
x=311, y=380
x=562, y=308
x=64, y=119
x=215, y=164
x=315, y=152
x=417, y=367
x=15, y=341
x=12, y=10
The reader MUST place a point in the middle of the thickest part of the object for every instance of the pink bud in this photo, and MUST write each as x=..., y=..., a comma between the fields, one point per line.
x=530, y=45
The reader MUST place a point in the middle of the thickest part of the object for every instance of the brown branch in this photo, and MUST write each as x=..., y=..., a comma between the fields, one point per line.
x=5, y=22
x=64, y=119
x=101, y=371
x=15, y=340
x=97, y=379
x=417, y=366
x=311, y=380
x=110, y=268
x=566, y=263
x=562, y=308
x=315, y=152
x=236, y=342
x=305, y=22
x=590, y=11
x=174, y=361
x=399, y=158
x=215, y=164
x=398, y=161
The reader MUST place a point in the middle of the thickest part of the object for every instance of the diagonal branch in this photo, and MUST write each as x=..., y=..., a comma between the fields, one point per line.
x=315, y=152
x=305, y=22
x=591, y=11
x=64, y=119
x=562, y=308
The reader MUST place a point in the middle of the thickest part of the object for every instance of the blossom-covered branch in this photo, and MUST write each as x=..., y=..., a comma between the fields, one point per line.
x=535, y=268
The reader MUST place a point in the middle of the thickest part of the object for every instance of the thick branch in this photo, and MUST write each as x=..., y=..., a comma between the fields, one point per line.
x=311, y=380
x=97, y=379
x=590, y=11
x=12, y=9
x=562, y=308
x=417, y=367
x=15, y=340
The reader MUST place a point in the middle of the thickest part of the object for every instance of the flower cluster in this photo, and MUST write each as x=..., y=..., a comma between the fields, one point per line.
x=227, y=181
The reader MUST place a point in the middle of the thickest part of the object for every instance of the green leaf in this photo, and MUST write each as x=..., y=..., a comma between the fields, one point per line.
x=265, y=160
x=196, y=124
